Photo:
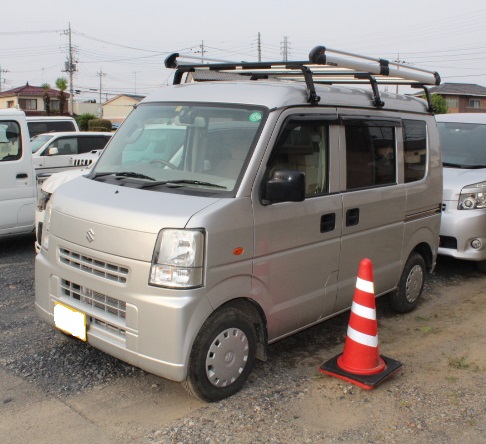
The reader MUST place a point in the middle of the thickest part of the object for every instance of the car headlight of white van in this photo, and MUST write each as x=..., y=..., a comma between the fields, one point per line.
x=46, y=226
x=473, y=197
x=178, y=259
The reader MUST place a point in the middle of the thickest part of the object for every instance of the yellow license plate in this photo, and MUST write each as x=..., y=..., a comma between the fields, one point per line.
x=70, y=321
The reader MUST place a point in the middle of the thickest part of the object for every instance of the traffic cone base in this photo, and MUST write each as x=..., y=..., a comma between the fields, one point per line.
x=366, y=382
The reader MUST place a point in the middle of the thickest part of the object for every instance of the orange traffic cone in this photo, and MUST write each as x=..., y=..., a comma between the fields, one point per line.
x=361, y=363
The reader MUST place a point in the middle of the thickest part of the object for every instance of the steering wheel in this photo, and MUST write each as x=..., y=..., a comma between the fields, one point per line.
x=164, y=162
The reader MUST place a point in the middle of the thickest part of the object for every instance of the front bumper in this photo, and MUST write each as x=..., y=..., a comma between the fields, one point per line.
x=151, y=328
x=458, y=229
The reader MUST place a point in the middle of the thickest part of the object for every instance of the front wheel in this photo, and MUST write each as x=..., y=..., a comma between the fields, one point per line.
x=222, y=356
x=406, y=297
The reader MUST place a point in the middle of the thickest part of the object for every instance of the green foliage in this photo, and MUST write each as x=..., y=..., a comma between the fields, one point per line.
x=61, y=83
x=439, y=103
x=83, y=121
x=99, y=125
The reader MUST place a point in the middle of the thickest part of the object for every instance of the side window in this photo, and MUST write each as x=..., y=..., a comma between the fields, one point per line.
x=303, y=145
x=370, y=155
x=87, y=144
x=10, y=144
x=65, y=146
x=415, y=149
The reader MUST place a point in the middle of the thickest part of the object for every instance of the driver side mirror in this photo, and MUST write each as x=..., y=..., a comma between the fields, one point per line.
x=284, y=186
x=53, y=151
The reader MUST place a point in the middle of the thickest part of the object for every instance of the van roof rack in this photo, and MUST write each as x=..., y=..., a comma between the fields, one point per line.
x=325, y=66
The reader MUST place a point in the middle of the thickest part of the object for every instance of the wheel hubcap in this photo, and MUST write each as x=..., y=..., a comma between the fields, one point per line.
x=227, y=357
x=414, y=283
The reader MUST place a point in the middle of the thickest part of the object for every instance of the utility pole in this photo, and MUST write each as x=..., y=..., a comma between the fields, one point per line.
x=101, y=74
x=259, y=47
x=70, y=67
x=202, y=51
x=285, y=49
x=2, y=71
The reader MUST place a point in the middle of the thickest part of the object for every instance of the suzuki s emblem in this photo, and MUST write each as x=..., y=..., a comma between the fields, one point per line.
x=90, y=234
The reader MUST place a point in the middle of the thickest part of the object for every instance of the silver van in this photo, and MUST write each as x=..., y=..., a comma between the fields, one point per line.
x=250, y=224
x=463, y=225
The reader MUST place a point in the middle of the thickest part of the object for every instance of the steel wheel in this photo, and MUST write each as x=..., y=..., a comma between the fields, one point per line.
x=415, y=282
x=222, y=355
x=227, y=357
x=409, y=289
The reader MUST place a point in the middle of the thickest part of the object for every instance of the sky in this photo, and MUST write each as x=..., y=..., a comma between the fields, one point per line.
x=119, y=46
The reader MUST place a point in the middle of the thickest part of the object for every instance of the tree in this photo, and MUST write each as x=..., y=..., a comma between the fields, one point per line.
x=439, y=103
x=62, y=84
x=47, y=98
x=83, y=120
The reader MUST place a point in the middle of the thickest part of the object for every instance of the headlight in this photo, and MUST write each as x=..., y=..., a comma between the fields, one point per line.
x=178, y=259
x=46, y=226
x=43, y=199
x=473, y=197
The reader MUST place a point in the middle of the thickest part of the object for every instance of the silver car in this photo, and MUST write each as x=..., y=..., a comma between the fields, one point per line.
x=463, y=225
x=224, y=216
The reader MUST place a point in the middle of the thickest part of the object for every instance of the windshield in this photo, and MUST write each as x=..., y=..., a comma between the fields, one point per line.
x=463, y=144
x=37, y=141
x=181, y=146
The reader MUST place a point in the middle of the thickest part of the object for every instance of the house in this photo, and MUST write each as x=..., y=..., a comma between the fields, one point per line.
x=117, y=108
x=462, y=97
x=30, y=99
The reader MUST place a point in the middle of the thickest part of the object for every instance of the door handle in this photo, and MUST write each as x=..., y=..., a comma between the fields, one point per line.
x=352, y=217
x=22, y=176
x=328, y=222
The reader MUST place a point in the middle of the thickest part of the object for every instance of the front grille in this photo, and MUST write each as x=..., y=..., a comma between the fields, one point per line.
x=82, y=162
x=103, y=269
x=448, y=242
x=99, y=301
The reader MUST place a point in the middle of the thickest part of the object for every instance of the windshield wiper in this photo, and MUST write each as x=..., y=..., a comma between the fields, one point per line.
x=182, y=182
x=465, y=167
x=124, y=174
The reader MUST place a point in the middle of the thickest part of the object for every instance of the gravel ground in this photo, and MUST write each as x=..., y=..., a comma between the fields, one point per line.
x=440, y=396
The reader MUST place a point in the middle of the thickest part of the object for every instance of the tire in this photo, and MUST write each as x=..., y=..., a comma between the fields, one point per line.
x=222, y=356
x=407, y=295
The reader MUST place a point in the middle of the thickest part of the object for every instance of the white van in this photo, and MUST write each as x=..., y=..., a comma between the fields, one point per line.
x=189, y=263
x=54, y=152
x=18, y=187
x=463, y=225
x=50, y=124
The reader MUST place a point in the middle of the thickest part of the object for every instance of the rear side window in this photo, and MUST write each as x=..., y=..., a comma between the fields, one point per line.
x=415, y=149
x=87, y=144
x=10, y=142
x=370, y=154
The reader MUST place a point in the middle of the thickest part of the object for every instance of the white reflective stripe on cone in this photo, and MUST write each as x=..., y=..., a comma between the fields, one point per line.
x=366, y=286
x=362, y=338
x=363, y=312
